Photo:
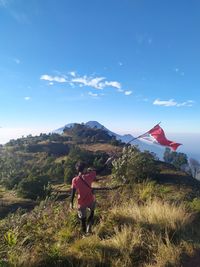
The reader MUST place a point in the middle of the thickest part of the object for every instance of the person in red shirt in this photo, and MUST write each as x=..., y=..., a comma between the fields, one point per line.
x=86, y=199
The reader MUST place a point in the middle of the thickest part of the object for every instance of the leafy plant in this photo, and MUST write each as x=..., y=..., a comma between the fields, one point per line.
x=134, y=166
x=33, y=187
x=10, y=238
x=175, y=158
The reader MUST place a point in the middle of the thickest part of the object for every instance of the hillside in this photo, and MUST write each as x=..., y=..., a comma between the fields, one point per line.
x=146, y=224
x=123, y=138
x=151, y=219
x=52, y=157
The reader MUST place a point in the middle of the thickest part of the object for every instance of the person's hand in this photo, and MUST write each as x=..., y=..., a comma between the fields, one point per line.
x=71, y=206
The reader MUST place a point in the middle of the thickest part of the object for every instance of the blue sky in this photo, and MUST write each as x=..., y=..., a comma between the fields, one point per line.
x=127, y=64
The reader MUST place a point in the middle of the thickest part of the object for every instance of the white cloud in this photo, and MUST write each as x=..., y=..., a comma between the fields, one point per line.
x=113, y=84
x=97, y=82
x=90, y=81
x=92, y=94
x=166, y=103
x=27, y=98
x=128, y=92
x=17, y=60
x=72, y=73
x=71, y=84
x=53, y=78
x=178, y=71
x=173, y=103
x=188, y=103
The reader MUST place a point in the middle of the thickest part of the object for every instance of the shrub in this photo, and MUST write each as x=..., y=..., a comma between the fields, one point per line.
x=195, y=204
x=33, y=187
x=175, y=158
x=134, y=166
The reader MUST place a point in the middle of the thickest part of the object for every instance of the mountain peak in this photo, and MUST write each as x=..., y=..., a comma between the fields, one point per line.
x=95, y=124
x=124, y=138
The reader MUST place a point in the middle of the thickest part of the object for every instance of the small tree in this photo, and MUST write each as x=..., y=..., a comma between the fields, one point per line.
x=76, y=154
x=175, y=158
x=134, y=166
x=168, y=156
x=194, y=166
x=33, y=187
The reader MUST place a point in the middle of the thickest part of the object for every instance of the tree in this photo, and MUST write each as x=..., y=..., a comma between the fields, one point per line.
x=33, y=187
x=12, y=170
x=195, y=167
x=95, y=160
x=134, y=166
x=76, y=154
x=180, y=160
x=175, y=158
x=168, y=156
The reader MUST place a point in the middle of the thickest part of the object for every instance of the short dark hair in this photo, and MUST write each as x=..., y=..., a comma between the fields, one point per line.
x=80, y=166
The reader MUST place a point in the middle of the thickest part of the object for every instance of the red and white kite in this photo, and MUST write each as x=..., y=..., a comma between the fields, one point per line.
x=157, y=136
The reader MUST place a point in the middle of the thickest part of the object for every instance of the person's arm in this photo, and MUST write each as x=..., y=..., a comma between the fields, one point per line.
x=93, y=173
x=73, y=192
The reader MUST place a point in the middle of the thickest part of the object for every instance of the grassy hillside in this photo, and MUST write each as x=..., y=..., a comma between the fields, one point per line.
x=37, y=161
x=144, y=224
x=152, y=219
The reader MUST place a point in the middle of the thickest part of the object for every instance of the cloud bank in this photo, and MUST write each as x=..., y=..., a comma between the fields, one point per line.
x=53, y=78
x=73, y=79
x=173, y=103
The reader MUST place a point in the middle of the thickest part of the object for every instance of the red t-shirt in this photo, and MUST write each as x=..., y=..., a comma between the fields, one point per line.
x=85, y=196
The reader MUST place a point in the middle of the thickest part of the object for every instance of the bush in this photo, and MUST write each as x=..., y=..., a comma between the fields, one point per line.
x=95, y=160
x=75, y=155
x=33, y=187
x=175, y=158
x=134, y=166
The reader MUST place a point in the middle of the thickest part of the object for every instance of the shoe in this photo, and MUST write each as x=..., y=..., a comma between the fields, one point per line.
x=89, y=229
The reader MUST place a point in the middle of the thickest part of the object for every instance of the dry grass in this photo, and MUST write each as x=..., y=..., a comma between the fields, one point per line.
x=146, y=190
x=108, y=148
x=167, y=253
x=155, y=212
x=146, y=232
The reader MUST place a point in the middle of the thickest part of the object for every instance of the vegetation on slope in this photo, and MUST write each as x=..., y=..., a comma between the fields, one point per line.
x=29, y=164
x=138, y=225
x=151, y=220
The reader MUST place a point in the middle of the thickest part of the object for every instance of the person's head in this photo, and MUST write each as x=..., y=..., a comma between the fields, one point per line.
x=80, y=166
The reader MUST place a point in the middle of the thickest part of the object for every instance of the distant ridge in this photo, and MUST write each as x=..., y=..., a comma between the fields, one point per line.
x=95, y=124
x=124, y=138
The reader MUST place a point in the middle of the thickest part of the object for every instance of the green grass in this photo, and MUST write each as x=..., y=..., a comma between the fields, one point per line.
x=138, y=225
x=195, y=204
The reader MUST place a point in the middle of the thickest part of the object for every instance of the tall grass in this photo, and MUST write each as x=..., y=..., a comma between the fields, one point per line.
x=155, y=212
x=138, y=231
